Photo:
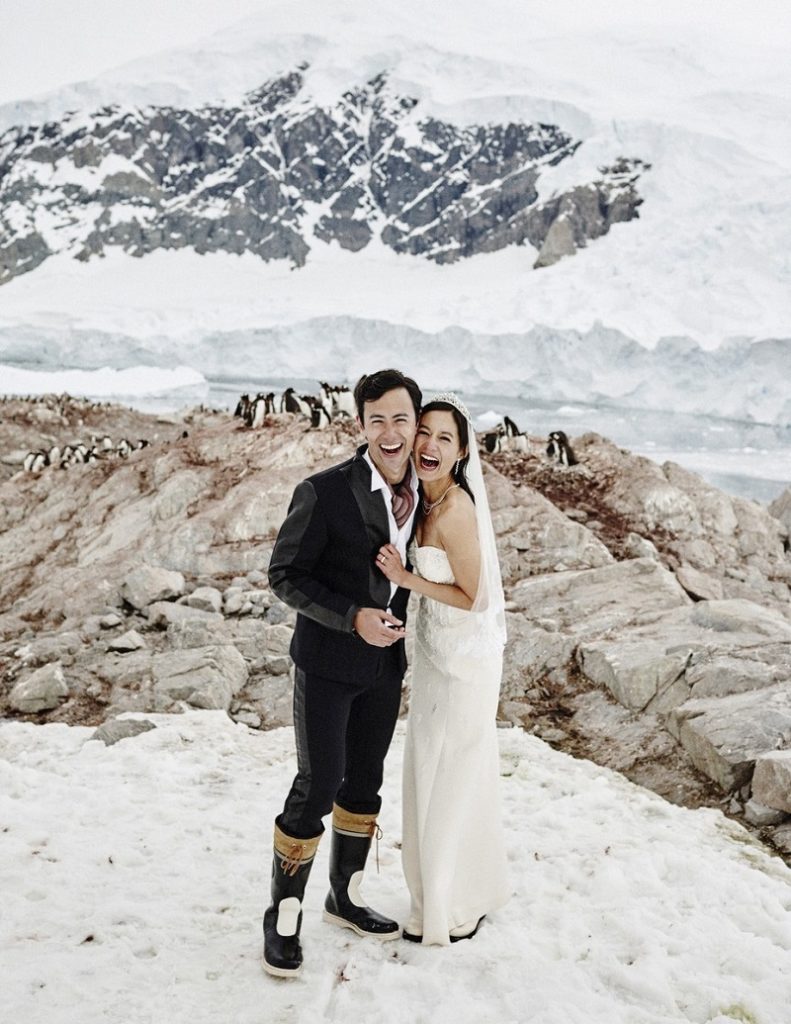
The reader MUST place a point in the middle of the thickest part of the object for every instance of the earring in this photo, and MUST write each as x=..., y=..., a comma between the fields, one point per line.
x=456, y=467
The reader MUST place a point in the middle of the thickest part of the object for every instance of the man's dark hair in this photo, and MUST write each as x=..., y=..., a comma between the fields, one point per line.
x=372, y=386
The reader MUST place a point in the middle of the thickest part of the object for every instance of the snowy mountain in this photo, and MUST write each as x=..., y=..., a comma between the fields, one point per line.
x=278, y=171
x=411, y=167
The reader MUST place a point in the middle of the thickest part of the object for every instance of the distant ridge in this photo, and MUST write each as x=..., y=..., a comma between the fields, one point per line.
x=279, y=171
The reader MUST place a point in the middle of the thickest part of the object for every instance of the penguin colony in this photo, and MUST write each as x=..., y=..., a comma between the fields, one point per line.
x=331, y=402
x=61, y=404
x=71, y=410
x=81, y=453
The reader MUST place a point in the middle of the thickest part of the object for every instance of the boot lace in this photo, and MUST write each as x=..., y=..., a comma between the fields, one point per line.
x=292, y=860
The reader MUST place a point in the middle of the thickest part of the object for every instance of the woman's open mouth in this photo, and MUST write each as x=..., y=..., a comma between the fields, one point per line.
x=429, y=463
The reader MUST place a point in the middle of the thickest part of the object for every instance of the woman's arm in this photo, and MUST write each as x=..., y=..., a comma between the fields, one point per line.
x=458, y=533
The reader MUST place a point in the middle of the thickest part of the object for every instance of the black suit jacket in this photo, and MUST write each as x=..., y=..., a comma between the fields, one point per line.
x=323, y=565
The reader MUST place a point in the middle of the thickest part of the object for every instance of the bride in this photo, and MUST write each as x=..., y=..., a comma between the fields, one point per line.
x=453, y=847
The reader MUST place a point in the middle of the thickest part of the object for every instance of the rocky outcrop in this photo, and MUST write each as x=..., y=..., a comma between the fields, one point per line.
x=694, y=634
x=781, y=510
x=711, y=649
x=772, y=780
x=725, y=736
x=154, y=595
x=164, y=613
x=148, y=583
x=118, y=729
x=279, y=171
x=535, y=537
x=129, y=641
x=43, y=690
x=207, y=599
x=718, y=545
x=585, y=212
x=205, y=677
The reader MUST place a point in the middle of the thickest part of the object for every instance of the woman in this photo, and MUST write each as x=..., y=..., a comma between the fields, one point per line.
x=453, y=848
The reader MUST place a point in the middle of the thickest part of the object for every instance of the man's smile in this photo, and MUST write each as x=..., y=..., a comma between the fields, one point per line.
x=389, y=450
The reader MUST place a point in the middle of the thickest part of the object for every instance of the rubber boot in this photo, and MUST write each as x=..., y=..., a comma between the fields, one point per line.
x=344, y=906
x=291, y=864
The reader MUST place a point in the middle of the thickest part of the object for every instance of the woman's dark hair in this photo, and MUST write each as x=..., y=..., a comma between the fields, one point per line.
x=466, y=437
x=372, y=386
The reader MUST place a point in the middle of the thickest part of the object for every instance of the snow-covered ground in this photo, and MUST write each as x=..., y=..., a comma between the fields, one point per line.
x=134, y=878
x=182, y=383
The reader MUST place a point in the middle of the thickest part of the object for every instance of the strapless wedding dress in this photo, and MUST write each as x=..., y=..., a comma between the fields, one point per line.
x=453, y=848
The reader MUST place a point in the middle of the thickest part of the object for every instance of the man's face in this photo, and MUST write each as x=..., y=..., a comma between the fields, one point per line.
x=389, y=427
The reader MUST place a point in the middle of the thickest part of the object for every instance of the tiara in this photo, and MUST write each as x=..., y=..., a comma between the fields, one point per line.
x=451, y=399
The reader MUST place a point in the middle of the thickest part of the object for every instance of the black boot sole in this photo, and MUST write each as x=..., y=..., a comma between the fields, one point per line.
x=343, y=923
x=280, y=972
x=469, y=935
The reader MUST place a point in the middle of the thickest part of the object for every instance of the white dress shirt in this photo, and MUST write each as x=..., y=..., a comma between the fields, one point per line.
x=398, y=537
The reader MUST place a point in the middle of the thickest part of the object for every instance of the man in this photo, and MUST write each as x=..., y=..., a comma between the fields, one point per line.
x=349, y=661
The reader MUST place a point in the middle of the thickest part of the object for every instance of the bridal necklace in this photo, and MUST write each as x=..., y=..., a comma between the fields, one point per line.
x=429, y=505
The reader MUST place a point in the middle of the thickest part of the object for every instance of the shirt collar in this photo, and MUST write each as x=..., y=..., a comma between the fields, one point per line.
x=378, y=482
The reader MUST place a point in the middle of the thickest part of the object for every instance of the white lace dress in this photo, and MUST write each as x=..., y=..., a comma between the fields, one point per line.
x=453, y=845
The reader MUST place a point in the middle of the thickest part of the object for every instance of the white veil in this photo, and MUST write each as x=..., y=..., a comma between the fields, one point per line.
x=489, y=601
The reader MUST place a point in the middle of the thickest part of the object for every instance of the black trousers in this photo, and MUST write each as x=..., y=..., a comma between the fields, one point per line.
x=343, y=732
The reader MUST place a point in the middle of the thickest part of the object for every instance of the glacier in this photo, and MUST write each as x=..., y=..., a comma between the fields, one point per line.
x=742, y=380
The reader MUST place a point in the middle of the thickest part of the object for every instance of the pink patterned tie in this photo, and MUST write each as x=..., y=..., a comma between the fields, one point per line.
x=403, y=499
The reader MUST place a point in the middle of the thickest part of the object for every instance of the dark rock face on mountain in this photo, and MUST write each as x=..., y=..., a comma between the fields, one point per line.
x=278, y=171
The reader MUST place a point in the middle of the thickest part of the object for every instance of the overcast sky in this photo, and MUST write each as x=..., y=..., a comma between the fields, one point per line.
x=48, y=43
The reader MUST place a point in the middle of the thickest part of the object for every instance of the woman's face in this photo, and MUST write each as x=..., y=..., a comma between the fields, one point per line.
x=437, y=445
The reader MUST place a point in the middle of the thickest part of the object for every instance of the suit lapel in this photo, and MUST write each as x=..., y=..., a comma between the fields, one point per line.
x=374, y=514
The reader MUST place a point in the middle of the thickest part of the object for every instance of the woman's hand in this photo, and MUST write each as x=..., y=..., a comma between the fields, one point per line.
x=389, y=561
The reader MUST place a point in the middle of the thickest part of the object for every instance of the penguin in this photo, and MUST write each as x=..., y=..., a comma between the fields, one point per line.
x=516, y=443
x=493, y=439
x=291, y=402
x=319, y=416
x=343, y=402
x=256, y=411
x=34, y=462
x=560, y=449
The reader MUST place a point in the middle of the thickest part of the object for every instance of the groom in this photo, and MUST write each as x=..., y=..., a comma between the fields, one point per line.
x=349, y=662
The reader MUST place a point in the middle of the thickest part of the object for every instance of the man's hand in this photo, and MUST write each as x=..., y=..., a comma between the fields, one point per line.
x=372, y=625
